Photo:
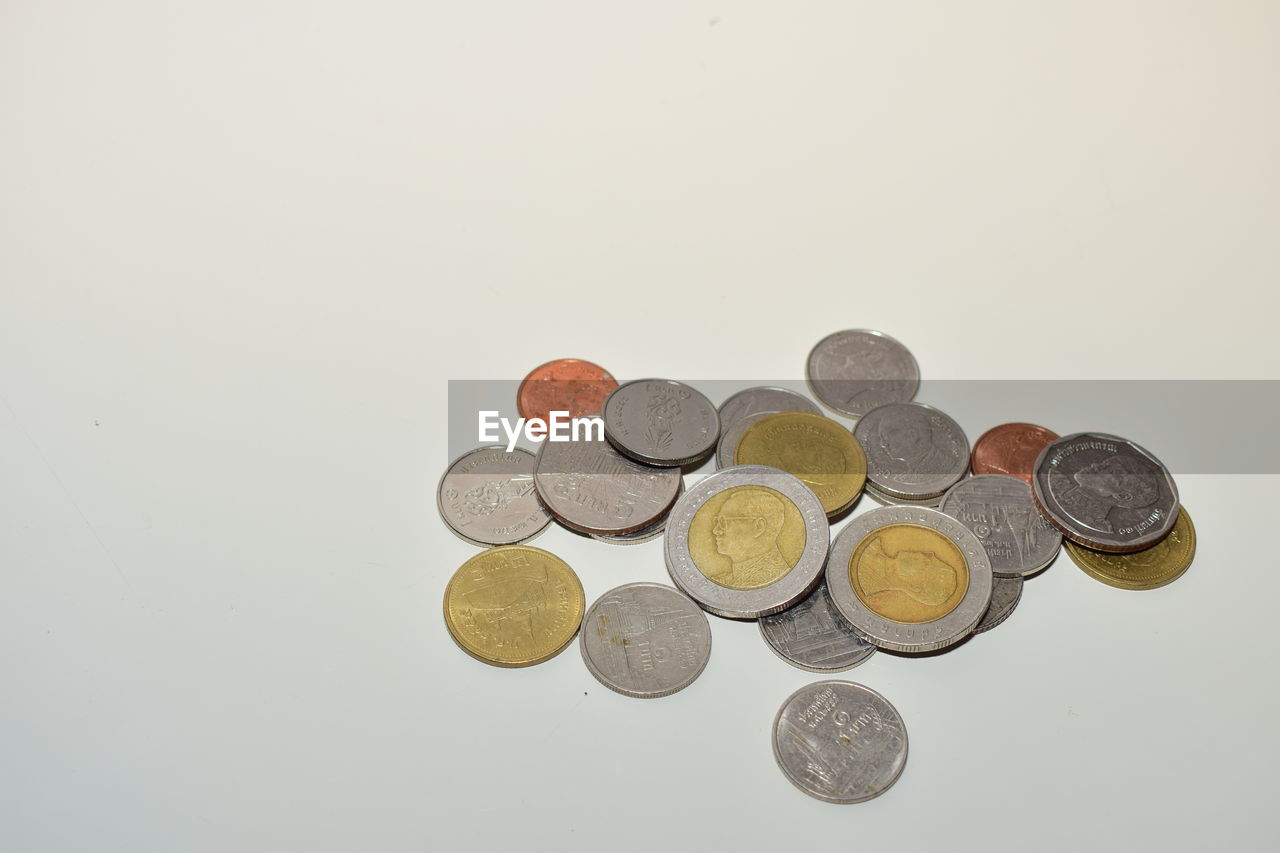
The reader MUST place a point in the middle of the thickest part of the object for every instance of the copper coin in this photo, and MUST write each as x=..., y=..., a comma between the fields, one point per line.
x=564, y=385
x=1010, y=449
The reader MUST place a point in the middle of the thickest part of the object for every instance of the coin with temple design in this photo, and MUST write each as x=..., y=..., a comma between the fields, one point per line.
x=822, y=453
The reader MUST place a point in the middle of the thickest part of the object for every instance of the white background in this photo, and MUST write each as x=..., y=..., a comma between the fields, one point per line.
x=244, y=245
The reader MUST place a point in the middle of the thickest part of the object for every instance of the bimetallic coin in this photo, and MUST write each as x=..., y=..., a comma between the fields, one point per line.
x=487, y=497
x=645, y=640
x=1162, y=563
x=1005, y=595
x=753, y=401
x=1000, y=512
x=1105, y=492
x=889, y=500
x=747, y=541
x=909, y=579
x=913, y=451
x=814, y=636
x=592, y=488
x=821, y=452
x=565, y=385
x=513, y=605
x=857, y=370
x=1010, y=449
x=661, y=422
x=729, y=438
x=840, y=742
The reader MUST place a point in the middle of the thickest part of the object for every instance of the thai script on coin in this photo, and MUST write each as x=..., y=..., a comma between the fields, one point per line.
x=812, y=635
x=487, y=497
x=661, y=422
x=857, y=370
x=1010, y=449
x=1000, y=512
x=570, y=385
x=1161, y=564
x=914, y=451
x=822, y=453
x=1005, y=595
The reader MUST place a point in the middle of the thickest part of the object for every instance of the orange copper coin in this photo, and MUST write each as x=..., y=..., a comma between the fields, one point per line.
x=564, y=385
x=1010, y=449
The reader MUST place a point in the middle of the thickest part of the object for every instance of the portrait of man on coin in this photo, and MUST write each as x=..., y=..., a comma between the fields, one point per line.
x=1108, y=495
x=908, y=438
x=746, y=531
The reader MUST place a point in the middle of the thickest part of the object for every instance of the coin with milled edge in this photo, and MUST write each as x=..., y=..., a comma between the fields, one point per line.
x=913, y=451
x=1150, y=568
x=821, y=452
x=1000, y=512
x=1005, y=595
x=1010, y=449
x=487, y=497
x=1105, y=492
x=661, y=422
x=729, y=438
x=592, y=488
x=747, y=541
x=889, y=500
x=857, y=370
x=571, y=385
x=635, y=537
x=513, y=605
x=812, y=635
x=645, y=640
x=753, y=401
x=840, y=742
x=909, y=579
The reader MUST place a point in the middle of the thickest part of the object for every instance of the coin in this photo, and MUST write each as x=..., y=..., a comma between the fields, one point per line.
x=1005, y=595
x=513, y=605
x=487, y=497
x=840, y=742
x=812, y=635
x=1162, y=563
x=570, y=385
x=730, y=437
x=889, y=500
x=747, y=541
x=999, y=510
x=644, y=534
x=822, y=453
x=1105, y=492
x=752, y=401
x=857, y=370
x=661, y=422
x=592, y=488
x=913, y=451
x=645, y=640
x=909, y=579
x=1010, y=449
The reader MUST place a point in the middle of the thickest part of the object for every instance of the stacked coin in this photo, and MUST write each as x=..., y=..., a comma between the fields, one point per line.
x=914, y=453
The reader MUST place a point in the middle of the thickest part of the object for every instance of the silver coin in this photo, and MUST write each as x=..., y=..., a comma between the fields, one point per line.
x=1005, y=595
x=644, y=534
x=645, y=640
x=857, y=370
x=1000, y=512
x=913, y=451
x=592, y=488
x=814, y=636
x=890, y=500
x=487, y=497
x=661, y=422
x=752, y=401
x=920, y=579
x=1105, y=492
x=760, y=548
x=730, y=437
x=840, y=742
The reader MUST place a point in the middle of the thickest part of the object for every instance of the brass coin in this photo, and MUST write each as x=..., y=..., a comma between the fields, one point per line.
x=909, y=573
x=1162, y=563
x=514, y=605
x=820, y=452
x=746, y=537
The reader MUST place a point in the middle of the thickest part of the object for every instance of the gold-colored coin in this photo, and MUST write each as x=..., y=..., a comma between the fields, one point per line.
x=1162, y=563
x=816, y=449
x=514, y=606
x=909, y=573
x=746, y=537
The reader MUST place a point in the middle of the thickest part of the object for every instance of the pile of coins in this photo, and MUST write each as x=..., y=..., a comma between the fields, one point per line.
x=943, y=559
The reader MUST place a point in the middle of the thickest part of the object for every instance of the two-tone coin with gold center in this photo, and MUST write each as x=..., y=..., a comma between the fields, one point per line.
x=514, y=606
x=823, y=454
x=1162, y=563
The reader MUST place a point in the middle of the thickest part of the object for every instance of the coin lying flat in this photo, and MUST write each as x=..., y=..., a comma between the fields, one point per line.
x=1162, y=563
x=514, y=605
x=1000, y=512
x=1105, y=492
x=857, y=370
x=909, y=579
x=913, y=451
x=1010, y=449
x=571, y=385
x=1005, y=595
x=752, y=401
x=592, y=488
x=645, y=640
x=812, y=635
x=661, y=422
x=487, y=497
x=729, y=437
x=747, y=541
x=840, y=742
x=821, y=452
